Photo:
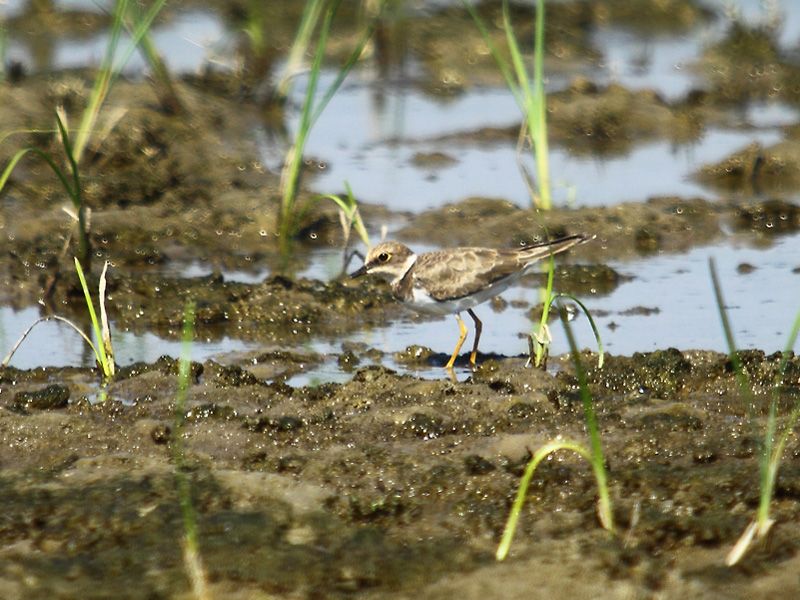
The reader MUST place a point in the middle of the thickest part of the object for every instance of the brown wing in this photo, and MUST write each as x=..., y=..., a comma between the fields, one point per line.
x=459, y=272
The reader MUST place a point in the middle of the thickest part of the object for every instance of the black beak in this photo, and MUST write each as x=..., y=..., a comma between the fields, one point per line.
x=362, y=271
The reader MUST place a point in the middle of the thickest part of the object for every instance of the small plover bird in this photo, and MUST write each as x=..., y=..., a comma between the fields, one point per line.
x=453, y=280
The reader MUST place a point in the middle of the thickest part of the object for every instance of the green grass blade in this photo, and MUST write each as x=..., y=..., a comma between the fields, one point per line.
x=516, y=58
x=547, y=298
x=290, y=174
x=358, y=222
x=75, y=195
x=20, y=154
x=598, y=462
x=345, y=69
x=539, y=112
x=191, y=548
x=516, y=508
x=502, y=63
x=102, y=83
x=308, y=22
x=100, y=351
x=741, y=375
x=595, y=330
x=310, y=112
x=771, y=449
x=109, y=71
x=774, y=454
x=167, y=93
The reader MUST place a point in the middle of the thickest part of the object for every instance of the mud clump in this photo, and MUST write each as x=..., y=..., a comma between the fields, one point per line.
x=52, y=397
x=660, y=374
x=771, y=217
x=774, y=169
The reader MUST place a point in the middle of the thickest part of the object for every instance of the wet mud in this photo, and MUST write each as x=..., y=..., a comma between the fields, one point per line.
x=390, y=485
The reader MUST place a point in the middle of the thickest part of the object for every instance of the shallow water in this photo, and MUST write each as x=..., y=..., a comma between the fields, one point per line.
x=56, y=344
x=674, y=289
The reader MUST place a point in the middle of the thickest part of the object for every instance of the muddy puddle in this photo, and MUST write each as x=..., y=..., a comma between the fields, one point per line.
x=328, y=454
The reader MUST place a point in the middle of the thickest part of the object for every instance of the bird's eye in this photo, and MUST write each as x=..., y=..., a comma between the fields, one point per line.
x=384, y=257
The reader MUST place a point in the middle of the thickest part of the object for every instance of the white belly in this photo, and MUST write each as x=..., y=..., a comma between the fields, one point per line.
x=422, y=301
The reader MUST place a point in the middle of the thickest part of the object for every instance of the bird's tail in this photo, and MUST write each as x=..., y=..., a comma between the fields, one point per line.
x=534, y=252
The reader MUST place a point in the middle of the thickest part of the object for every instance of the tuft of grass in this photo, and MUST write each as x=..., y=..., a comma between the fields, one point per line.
x=528, y=92
x=542, y=344
x=167, y=93
x=71, y=183
x=192, y=560
x=290, y=214
x=540, y=341
x=530, y=95
x=302, y=40
x=775, y=437
x=74, y=149
x=593, y=454
x=103, y=349
x=349, y=218
x=111, y=67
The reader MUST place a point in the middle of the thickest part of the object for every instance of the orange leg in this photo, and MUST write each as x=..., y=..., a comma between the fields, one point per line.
x=460, y=343
x=478, y=327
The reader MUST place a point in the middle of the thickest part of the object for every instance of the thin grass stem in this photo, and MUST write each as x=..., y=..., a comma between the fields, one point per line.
x=75, y=193
x=106, y=365
x=302, y=39
x=109, y=71
x=290, y=175
x=593, y=455
x=542, y=343
x=595, y=330
x=539, y=110
x=530, y=97
x=167, y=93
x=598, y=461
x=192, y=559
x=771, y=448
x=25, y=334
x=516, y=508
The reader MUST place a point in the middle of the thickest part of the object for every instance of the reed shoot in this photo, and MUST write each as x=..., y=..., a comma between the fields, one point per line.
x=103, y=349
x=593, y=454
x=290, y=175
x=530, y=96
x=302, y=40
x=349, y=218
x=70, y=182
x=192, y=560
x=775, y=438
x=110, y=68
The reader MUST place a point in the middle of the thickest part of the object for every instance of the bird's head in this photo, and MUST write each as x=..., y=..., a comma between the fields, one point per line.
x=389, y=260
